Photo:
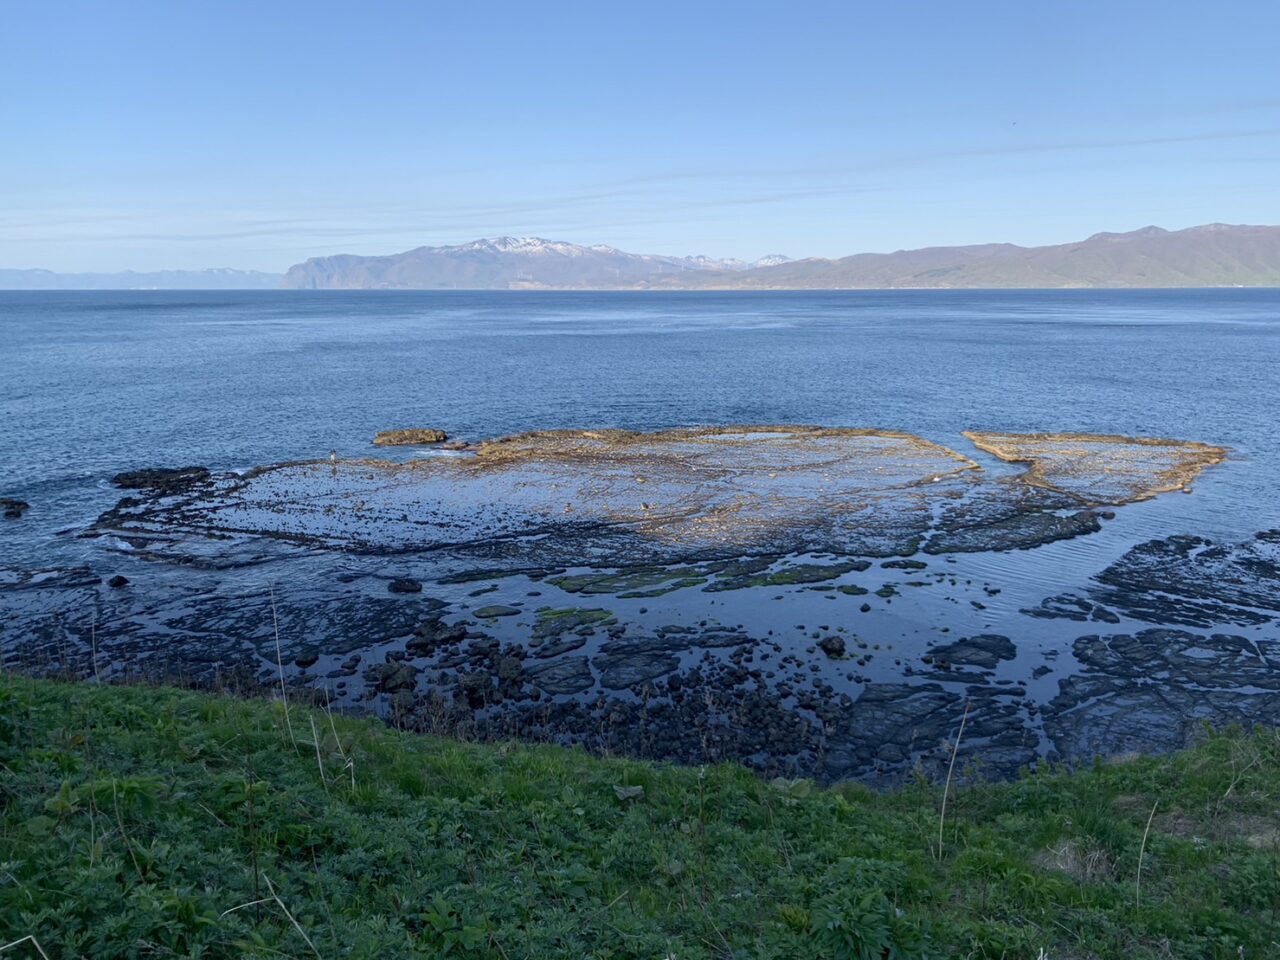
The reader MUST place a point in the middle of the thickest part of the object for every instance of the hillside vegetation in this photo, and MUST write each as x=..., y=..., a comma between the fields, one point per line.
x=146, y=822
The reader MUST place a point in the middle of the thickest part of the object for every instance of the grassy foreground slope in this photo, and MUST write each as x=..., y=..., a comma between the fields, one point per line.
x=153, y=822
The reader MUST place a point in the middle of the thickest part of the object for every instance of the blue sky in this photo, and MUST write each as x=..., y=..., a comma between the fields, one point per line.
x=188, y=134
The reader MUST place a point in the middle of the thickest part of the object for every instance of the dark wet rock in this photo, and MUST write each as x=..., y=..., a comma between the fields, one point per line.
x=234, y=623
x=56, y=578
x=495, y=610
x=404, y=585
x=306, y=660
x=889, y=725
x=495, y=573
x=117, y=582
x=165, y=481
x=631, y=582
x=1019, y=532
x=832, y=646
x=1154, y=689
x=756, y=573
x=676, y=639
x=391, y=677
x=904, y=565
x=621, y=670
x=1067, y=606
x=553, y=624
x=546, y=649
x=570, y=675
x=985, y=650
x=1191, y=581
x=433, y=634
x=410, y=437
x=13, y=509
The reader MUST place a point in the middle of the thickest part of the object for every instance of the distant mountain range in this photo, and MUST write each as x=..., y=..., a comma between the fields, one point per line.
x=509, y=263
x=1215, y=255
x=217, y=279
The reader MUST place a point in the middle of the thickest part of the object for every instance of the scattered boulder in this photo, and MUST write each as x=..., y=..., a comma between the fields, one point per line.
x=410, y=437
x=404, y=585
x=391, y=677
x=832, y=646
x=432, y=635
x=117, y=582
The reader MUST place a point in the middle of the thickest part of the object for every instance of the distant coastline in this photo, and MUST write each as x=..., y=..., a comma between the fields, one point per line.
x=1213, y=256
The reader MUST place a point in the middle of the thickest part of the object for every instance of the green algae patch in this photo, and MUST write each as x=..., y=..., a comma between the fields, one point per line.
x=175, y=819
x=757, y=574
x=495, y=610
x=638, y=582
x=555, y=622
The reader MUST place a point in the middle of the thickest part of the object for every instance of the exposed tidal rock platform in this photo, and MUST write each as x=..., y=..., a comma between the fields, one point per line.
x=810, y=601
x=1100, y=468
x=609, y=497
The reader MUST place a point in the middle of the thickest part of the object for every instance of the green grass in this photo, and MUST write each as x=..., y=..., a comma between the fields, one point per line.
x=149, y=822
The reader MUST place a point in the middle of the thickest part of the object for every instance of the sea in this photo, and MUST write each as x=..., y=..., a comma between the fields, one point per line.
x=94, y=383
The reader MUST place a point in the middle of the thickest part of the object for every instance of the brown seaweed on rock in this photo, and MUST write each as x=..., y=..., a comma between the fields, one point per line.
x=1100, y=468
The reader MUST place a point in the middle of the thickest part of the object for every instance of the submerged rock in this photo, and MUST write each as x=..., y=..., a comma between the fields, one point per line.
x=13, y=509
x=985, y=650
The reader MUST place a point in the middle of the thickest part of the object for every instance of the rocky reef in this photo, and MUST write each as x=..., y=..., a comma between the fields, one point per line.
x=612, y=497
x=811, y=601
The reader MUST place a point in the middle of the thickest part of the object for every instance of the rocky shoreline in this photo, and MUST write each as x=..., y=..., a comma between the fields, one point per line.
x=847, y=647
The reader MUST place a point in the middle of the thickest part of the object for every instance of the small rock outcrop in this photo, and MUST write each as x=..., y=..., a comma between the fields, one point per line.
x=13, y=509
x=164, y=480
x=411, y=437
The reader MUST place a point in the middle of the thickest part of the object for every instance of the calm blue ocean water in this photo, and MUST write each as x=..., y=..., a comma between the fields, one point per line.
x=95, y=383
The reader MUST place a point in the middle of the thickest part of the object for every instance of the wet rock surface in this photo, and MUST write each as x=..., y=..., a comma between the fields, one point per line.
x=162, y=480
x=1154, y=689
x=611, y=497
x=986, y=650
x=1196, y=582
x=840, y=634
